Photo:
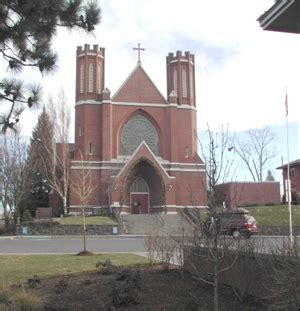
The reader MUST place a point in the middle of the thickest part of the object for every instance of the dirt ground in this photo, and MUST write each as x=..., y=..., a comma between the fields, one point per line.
x=137, y=288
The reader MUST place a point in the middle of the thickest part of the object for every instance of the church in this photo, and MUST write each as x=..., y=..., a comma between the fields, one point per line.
x=136, y=148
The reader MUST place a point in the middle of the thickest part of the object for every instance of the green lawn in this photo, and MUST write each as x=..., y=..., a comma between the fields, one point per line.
x=89, y=220
x=277, y=215
x=17, y=269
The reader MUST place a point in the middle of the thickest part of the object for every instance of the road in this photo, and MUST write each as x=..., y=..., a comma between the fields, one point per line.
x=70, y=245
x=100, y=244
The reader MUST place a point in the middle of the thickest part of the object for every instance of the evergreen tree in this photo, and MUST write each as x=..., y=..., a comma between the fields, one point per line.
x=270, y=176
x=40, y=160
x=26, y=31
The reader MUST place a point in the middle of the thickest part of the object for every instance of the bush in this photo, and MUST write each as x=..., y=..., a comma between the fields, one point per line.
x=105, y=267
x=270, y=204
x=27, y=301
x=127, y=294
x=26, y=216
x=4, y=296
x=20, y=299
x=34, y=281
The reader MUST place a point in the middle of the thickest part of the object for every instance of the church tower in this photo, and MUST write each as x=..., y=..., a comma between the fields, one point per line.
x=90, y=93
x=181, y=77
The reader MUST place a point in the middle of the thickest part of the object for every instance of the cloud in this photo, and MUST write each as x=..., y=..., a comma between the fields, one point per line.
x=241, y=70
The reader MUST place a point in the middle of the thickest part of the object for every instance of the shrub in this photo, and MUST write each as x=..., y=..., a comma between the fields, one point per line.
x=270, y=204
x=27, y=301
x=127, y=294
x=105, y=267
x=4, y=296
x=61, y=286
x=34, y=281
x=26, y=216
x=132, y=277
x=20, y=299
x=250, y=205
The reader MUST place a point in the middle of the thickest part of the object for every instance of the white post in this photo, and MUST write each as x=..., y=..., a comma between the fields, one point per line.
x=288, y=188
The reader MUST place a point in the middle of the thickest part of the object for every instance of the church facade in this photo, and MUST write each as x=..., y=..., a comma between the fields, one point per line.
x=136, y=150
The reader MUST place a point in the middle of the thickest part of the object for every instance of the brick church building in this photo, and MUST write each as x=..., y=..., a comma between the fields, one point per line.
x=138, y=148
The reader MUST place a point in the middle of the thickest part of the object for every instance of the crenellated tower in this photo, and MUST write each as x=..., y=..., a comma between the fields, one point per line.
x=90, y=96
x=89, y=72
x=181, y=77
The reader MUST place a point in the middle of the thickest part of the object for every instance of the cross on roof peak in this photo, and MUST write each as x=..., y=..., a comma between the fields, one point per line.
x=139, y=49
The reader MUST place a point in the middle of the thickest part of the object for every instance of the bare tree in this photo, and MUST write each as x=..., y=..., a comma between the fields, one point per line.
x=284, y=277
x=256, y=149
x=211, y=248
x=60, y=114
x=14, y=182
x=220, y=166
x=83, y=187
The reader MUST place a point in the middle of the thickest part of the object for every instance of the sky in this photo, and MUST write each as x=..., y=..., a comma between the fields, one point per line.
x=242, y=71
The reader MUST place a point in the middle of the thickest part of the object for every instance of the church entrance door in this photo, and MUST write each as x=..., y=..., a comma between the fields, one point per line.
x=139, y=196
x=139, y=203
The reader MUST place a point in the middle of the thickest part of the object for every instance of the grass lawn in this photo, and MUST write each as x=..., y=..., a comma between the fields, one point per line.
x=89, y=220
x=15, y=269
x=277, y=215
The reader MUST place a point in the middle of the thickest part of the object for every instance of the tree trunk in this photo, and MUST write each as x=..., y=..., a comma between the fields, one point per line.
x=216, y=268
x=65, y=205
x=6, y=217
x=216, y=287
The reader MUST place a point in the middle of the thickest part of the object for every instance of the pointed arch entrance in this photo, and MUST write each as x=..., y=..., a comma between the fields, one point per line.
x=144, y=188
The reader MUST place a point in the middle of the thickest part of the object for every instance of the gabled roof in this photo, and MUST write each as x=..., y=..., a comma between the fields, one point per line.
x=144, y=152
x=282, y=16
x=292, y=164
x=139, y=88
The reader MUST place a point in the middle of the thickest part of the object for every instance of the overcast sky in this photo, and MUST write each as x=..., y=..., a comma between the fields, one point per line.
x=241, y=70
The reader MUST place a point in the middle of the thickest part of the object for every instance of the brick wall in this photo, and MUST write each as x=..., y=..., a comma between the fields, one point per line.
x=248, y=193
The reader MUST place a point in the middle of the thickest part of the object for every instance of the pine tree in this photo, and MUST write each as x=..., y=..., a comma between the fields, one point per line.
x=270, y=176
x=40, y=160
x=27, y=28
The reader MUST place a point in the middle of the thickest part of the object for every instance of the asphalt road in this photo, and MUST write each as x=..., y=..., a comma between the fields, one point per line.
x=101, y=244
x=69, y=245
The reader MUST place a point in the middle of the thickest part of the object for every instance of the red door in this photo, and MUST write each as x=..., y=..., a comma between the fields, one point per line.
x=139, y=203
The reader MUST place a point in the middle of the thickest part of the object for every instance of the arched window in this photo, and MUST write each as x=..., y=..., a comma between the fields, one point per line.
x=184, y=83
x=81, y=78
x=175, y=84
x=90, y=148
x=99, y=79
x=91, y=78
x=139, y=185
x=191, y=84
x=136, y=130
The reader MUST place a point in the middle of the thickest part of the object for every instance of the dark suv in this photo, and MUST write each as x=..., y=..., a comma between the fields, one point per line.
x=237, y=222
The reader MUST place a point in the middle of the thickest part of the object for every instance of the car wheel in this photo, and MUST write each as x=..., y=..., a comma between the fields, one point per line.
x=236, y=234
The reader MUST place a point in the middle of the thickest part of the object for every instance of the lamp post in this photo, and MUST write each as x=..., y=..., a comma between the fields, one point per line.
x=288, y=181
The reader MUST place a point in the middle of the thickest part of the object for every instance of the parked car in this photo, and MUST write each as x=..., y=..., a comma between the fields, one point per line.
x=236, y=222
